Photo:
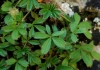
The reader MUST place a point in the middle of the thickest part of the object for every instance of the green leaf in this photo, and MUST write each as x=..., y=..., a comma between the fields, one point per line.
x=6, y=6
x=59, y=42
x=46, y=46
x=40, y=28
x=80, y=30
x=87, y=59
x=18, y=67
x=22, y=31
x=60, y=67
x=3, y=52
x=65, y=62
x=74, y=38
x=38, y=21
x=23, y=62
x=36, y=4
x=48, y=29
x=95, y=55
x=77, y=18
x=39, y=35
x=4, y=45
x=31, y=32
x=34, y=15
x=10, y=48
x=75, y=54
x=29, y=5
x=9, y=39
x=33, y=59
x=47, y=14
x=54, y=27
x=87, y=47
x=34, y=42
x=85, y=24
x=9, y=20
x=23, y=3
x=8, y=28
x=15, y=34
x=11, y=61
x=88, y=34
x=73, y=26
x=55, y=60
x=75, y=60
x=58, y=33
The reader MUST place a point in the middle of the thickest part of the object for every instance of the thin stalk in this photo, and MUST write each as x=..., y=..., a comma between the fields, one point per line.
x=65, y=18
x=25, y=16
x=17, y=3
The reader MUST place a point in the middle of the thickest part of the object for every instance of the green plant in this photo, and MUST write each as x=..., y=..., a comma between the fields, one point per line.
x=40, y=43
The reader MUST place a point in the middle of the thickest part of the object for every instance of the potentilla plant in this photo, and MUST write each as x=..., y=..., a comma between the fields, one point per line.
x=42, y=37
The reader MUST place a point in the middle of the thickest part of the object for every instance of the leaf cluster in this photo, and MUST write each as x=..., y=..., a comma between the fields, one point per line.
x=41, y=43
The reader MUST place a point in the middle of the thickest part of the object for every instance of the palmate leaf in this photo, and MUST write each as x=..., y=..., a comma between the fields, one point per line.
x=49, y=10
x=46, y=46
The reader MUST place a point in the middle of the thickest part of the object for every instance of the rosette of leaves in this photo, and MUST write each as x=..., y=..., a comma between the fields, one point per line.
x=49, y=10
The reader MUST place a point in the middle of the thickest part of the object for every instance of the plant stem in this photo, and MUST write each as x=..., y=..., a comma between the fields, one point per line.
x=25, y=16
x=17, y=3
x=65, y=18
